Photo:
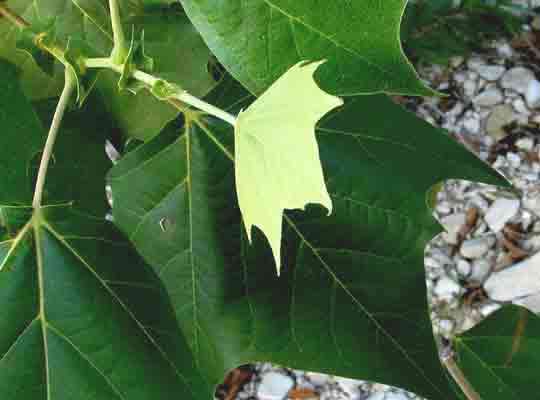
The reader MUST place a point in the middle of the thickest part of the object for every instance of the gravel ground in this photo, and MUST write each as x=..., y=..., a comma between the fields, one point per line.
x=492, y=236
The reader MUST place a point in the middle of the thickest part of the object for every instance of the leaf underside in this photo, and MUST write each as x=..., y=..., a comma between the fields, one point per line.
x=276, y=153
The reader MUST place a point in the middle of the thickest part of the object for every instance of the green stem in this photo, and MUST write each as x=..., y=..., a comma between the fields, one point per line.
x=12, y=17
x=69, y=86
x=120, y=48
x=150, y=81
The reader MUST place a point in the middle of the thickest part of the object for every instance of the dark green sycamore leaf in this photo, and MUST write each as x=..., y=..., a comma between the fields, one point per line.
x=351, y=299
x=500, y=356
x=82, y=316
x=258, y=40
x=170, y=39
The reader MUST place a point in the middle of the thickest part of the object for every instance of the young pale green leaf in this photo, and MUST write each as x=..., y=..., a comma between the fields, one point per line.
x=500, y=356
x=258, y=40
x=276, y=153
x=351, y=298
x=82, y=316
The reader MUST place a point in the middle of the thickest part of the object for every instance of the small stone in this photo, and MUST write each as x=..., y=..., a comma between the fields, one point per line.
x=530, y=302
x=472, y=124
x=532, y=95
x=513, y=159
x=520, y=106
x=446, y=326
x=480, y=270
x=349, y=386
x=446, y=289
x=501, y=116
x=504, y=50
x=489, y=97
x=469, y=88
x=454, y=222
x=476, y=248
x=517, y=79
x=317, y=379
x=532, y=244
x=274, y=386
x=525, y=144
x=517, y=281
x=491, y=72
x=463, y=268
x=500, y=212
x=489, y=309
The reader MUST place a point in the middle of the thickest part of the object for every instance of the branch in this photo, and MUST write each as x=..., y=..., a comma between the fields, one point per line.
x=150, y=81
x=12, y=17
x=69, y=86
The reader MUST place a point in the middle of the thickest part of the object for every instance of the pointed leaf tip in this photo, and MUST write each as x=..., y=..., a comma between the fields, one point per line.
x=277, y=156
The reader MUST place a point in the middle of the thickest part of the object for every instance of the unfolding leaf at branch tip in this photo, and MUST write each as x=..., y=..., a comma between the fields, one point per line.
x=277, y=156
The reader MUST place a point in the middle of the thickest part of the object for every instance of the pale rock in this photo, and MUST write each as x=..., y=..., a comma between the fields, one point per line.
x=532, y=244
x=513, y=159
x=500, y=116
x=377, y=396
x=446, y=326
x=274, y=386
x=520, y=106
x=531, y=201
x=475, y=63
x=317, y=379
x=500, y=212
x=517, y=79
x=446, y=289
x=504, y=50
x=480, y=269
x=489, y=97
x=489, y=308
x=515, y=282
x=477, y=247
x=396, y=396
x=530, y=302
x=490, y=72
x=349, y=386
x=525, y=144
x=532, y=95
x=472, y=124
x=469, y=88
x=453, y=222
x=463, y=268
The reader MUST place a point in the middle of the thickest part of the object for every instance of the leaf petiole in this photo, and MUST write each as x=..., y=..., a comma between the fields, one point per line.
x=120, y=48
x=69, y=87
x=152, y=82
x=12, y=17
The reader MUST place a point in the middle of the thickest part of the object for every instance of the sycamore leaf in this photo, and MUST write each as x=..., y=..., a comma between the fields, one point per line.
x=277, y=157
x=82, y=317
x=258, y=40
x=351, y=298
